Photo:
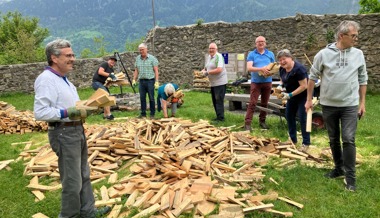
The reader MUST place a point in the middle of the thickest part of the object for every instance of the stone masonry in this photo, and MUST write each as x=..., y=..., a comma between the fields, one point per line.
x=181, y=49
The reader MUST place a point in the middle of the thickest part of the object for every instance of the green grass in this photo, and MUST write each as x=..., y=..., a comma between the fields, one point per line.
x=321, y=197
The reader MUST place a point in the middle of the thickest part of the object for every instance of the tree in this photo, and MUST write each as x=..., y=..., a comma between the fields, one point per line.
x=21, y=39
x=369, y=6
x=133, y=45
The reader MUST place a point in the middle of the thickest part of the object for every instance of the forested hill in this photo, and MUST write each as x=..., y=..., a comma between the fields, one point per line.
x=118, y=20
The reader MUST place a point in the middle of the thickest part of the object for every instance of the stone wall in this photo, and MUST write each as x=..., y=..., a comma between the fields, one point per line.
x=181, y=50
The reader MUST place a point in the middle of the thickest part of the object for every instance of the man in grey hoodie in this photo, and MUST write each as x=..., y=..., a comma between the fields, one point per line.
x=343, y=74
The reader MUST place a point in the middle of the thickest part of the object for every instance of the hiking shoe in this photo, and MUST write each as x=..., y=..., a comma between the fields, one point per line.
x=263, y=125
x=110, y=117
x=335, y=174
x=100, y=212
x=349, y=187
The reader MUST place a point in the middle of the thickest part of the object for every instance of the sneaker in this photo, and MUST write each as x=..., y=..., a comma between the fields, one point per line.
x=304, y=148
x=152, y=117
x=263, y=125
x=335, y=174
x=110, y=117
x=100, y=212
x=349, y=187
x=217, y=120
x=141, y=116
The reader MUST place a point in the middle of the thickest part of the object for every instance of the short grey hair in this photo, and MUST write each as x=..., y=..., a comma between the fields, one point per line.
x=169, y=89
x=143, y=45
x=54, y=48
x=284, y=53
x=344, y=27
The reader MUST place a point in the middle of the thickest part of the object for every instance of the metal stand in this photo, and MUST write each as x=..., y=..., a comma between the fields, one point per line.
x=117, y=56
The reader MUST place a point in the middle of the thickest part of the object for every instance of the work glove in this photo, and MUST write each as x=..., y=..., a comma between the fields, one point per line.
x=77, y=114
x=205, y=73
x=279, y=87
x=133, y=82
x=156, y=85
x=287, y=96
x=113, y=77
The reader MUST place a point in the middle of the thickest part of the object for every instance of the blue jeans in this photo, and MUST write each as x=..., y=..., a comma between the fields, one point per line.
x=70, y=145
x=294, y=106
x=217, y=95
x=98, y=85
x=347, y=118
x=146, y=86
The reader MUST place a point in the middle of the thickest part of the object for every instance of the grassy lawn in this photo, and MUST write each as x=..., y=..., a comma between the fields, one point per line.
x=321, y=197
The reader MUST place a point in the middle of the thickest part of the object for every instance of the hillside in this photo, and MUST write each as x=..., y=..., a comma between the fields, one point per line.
x=118, y=20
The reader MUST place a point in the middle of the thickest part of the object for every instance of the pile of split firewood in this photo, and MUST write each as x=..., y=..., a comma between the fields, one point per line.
x=200, y=82
x=13, y=121
x=173, y=166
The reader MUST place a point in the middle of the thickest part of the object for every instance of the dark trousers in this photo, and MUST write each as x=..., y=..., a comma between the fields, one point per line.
x=342, y=120
x=257, y=89
x=146, y=86
x=294, y=106
x=70, y=145
x=217, y=95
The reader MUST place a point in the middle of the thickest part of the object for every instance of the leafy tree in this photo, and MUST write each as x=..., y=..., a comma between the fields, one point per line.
x=133, y=45
x=369, y=6
x=21, y=39
x=86, y=53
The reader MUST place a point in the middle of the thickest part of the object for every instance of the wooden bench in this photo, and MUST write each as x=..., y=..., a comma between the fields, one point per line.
x=236, y=101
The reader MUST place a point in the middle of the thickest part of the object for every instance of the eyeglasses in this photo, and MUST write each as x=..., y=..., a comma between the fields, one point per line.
x=353, y=36
x=69, y=55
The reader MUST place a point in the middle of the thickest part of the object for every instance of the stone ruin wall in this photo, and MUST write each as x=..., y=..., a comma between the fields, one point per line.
x=181, y=49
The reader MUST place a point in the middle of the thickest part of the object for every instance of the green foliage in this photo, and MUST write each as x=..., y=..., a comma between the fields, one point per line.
x=369, y=6
x=200, y=21
x=330, y=36
x=311, y=41
x=100, y=49
x=21, y=39
x=86, y=53
x=132, y=45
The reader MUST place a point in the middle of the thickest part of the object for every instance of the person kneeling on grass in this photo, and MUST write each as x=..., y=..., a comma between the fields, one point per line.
x=166, y=96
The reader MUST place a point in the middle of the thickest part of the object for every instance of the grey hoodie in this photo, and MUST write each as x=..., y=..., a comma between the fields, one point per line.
x=341, y=73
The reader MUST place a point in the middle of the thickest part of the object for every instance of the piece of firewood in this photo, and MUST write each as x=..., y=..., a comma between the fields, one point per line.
x=291, y=202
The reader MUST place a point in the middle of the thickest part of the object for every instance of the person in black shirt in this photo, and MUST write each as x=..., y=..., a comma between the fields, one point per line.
x=293, y=76
x=104, y=71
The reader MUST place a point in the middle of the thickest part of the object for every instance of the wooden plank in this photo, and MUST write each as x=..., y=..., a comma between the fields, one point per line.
x=108, y=202
x=104, y=193
x=260, y=207
x=291, y=202
x=292, y=156
x=186, y=202
x=159, y=194
x=150, y=210
x=115, y=211
x=144, y=198
x=132, y=198
x=39, y=215
x=205, y=207
x=39, y=195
